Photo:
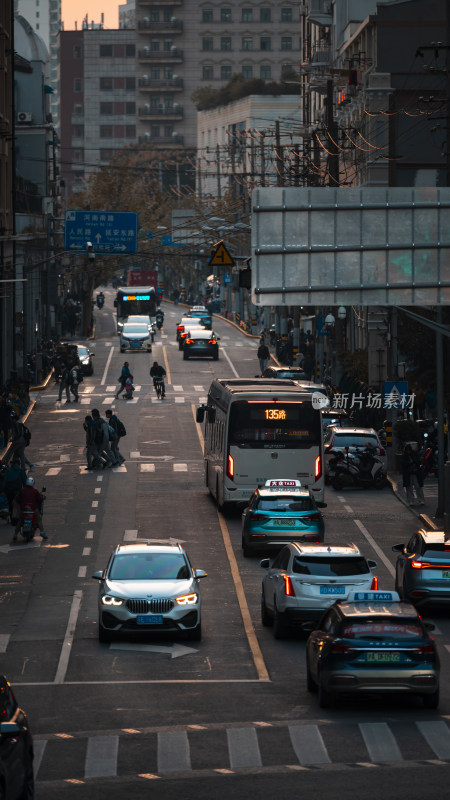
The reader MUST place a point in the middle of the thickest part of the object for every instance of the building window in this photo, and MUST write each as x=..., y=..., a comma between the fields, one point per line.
x=130, y=131
x=130, y=84
x=287, y=68
x=265, y=43
x=106, y=131
x=78, y=155
x=78, y=108
x=155, y=73
x=265, y=72
x=154, y=15
x=168, y=101
x=207, y=15
x=286, y=42
x=154, y=45
x=168, y=73
x=264, y=14
x=168, y=44
x=247, y=15
x=155, y=131
x=77, y=51
x=225, y=14
x=106, y=84
x=208, y=73
x=247, y=43
x=286, y=14
x=225, y=42
x=225, y=73
x=167, y=14
x=207, y=43
x=168, y=129
x=130, y=51
x=77, y=131
x=106, y=154
x=77, y=84
x=130, y=108
x=106, y=109
x=247, y=72
x=106, y=50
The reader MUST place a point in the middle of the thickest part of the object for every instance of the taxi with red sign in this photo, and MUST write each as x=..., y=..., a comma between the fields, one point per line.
x=280, y=512
x=372, y=642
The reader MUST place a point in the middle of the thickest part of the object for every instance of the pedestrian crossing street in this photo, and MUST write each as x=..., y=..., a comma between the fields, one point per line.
x=298, y=745
x=92, y=395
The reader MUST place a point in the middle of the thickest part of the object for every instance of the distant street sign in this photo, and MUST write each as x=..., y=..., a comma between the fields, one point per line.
x=395, y=394
x=168, y=241
x=220, y=257
x=227, y=279
x=109, y=231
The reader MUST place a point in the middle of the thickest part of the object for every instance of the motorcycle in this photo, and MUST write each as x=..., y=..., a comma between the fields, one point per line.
x=159, y=388
x=100, y=301
x=361, y=468
x=28, y=520
x=159, y=321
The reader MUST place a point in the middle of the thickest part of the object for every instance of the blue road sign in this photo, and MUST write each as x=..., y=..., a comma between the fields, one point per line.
x=395, y=394
x=226, y=279
x=108, y=231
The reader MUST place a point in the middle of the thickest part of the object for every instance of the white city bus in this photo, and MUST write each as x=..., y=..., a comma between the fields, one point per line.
x=256, y=430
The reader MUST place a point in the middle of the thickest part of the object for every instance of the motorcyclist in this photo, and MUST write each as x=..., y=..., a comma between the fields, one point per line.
x=159, y=317
x=158, y=372
x=29, y=497
x=100, y=299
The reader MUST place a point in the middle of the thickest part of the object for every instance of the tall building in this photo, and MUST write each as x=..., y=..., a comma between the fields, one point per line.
x=183, y=45
x=98, y=99
x=44, y=17
x=127, y=14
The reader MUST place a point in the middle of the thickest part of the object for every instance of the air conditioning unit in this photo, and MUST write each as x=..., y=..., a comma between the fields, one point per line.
x=24, y=116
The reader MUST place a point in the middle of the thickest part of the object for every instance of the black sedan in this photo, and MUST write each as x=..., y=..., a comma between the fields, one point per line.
x=85, y=356
x=201, y=343
x=16, y=748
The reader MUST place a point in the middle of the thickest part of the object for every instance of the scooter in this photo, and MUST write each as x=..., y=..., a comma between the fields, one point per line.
x=100, y=301
x=159, y=321
x=28, y=520
x=361, y=468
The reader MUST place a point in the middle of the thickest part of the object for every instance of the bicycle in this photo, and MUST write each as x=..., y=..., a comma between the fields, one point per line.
x=160, y=390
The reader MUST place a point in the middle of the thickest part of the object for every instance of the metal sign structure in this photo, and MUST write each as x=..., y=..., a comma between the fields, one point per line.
x=221, y=257
x=108, y=231
x=344, y=246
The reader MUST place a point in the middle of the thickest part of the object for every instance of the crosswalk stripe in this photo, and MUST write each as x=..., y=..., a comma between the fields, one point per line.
x=173, y=751
x=198, y=389
x=147, y=467
x=437, y=735
x=243, y=748
x=180, y=468
x=39, y=746
x=53, y=471
x=177, y=388
x=179, y=400
x=380, y=742
x=308, y=744
x=101, y=757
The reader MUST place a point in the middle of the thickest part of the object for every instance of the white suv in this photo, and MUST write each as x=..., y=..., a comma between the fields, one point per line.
x=304, y=580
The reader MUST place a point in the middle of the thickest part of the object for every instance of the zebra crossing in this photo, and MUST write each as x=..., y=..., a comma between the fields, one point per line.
x=261, y=744
x=105, y=395
x=143, y=466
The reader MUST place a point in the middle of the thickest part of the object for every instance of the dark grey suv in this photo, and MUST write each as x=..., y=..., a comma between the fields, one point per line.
x=422, y=571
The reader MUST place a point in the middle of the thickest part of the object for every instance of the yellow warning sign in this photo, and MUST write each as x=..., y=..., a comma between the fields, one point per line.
x=220, y=257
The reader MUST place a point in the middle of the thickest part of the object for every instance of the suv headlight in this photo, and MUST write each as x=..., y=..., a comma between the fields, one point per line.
x=187, y=599
x=109, y=600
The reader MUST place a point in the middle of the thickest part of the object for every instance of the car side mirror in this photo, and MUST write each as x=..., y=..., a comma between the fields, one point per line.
x=372, y=564
x=398, y=548
x=265, y=563
x=98, y=575
x=200, y=573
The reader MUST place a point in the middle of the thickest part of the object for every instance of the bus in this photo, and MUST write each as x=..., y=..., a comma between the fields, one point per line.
x=257, y=429
x=135, y=300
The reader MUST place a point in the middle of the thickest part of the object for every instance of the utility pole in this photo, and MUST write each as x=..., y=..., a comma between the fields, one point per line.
x=263, y=160
x=333, y=159
x=279, y=155
x=219, y=189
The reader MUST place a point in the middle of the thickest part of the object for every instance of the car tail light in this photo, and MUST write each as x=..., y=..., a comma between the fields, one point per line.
x=180, y=328
x=381, y=451
x=339, y=647
x=418, y=564
x=310, y=537
x=288, y=586
x=311, y=516
x=189, y=341
x=212, y=341
x=230, y=467
x=318, y=468
x=374, y=584
x=256, y=517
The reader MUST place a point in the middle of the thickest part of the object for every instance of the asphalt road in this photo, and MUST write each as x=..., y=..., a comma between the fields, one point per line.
x=230, y=714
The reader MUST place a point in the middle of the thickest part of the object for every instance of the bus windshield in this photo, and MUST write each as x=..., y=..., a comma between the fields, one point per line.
x=282, y=424
x=136, y=302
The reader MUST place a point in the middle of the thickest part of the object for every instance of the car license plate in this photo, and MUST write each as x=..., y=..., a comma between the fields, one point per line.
x=446, y=574
x=332, y=590
x=383, y=658
x=135, y=344
x=149, y=619
x=284, y=523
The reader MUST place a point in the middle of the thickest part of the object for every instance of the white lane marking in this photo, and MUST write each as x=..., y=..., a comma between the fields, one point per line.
x=110, y=389
x=222, y=350
x=308, y=744
x=68, y=638
x=92, y=517
x=380, y=742
x=202, y=400
x=173, y=751
x=101, y=757
x=100, y=478
x=94, y=504
x=339, y=497
x=135, y=453
x=97, y=491
x=137, y=388
x=243, y=748
x=437, y=735
x=348, y=509
x=377, y=549
x=199, y=389
x=82, y=572
x=89, y=389
x=4, y=641
x=130, y=536
x=89, y=534
x=107, y=401
x=64, y=458
x=53, y=471
x=39, y=746
x=177, y=388
x=103, y=380
x=86, y=552
x=180, y=468
x=179, y=400
x=85, y=401
x=146, y=467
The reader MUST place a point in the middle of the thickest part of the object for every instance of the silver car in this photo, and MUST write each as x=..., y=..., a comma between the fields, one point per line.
x=422, y=571
x=135, y=336
x=149, y=588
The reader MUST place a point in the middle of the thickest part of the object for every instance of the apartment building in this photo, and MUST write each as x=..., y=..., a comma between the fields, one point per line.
x=98, y=100
x=183, y=45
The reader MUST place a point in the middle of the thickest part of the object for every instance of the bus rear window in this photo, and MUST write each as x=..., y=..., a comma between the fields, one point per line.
x=265, y=423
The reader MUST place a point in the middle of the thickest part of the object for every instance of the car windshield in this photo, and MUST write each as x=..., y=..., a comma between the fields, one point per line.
x=82, y=351
x=354, y=440
x=149, y=567
x=380, y=629
x=339, y=566
x=285, y=504
x=131, y=328
x=291, y=373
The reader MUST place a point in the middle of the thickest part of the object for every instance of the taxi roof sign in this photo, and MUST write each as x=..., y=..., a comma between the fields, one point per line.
x=283, y=483
x=373, y=597
x=220, y=257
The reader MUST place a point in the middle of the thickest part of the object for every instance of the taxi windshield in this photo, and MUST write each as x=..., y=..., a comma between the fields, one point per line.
x=277, y=504
x=149, y=567
x=381, y=629
x=339, y=566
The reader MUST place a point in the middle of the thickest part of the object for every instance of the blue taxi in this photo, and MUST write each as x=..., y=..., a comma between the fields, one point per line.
x=280, y=512
x=372, y=642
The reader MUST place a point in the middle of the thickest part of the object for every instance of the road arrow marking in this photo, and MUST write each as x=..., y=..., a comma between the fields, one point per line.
x=175, y=651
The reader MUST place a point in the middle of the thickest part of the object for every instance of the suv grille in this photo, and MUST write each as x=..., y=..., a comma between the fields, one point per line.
x=146, y=606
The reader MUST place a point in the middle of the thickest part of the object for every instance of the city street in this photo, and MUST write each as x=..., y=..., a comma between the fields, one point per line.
x=229, y=714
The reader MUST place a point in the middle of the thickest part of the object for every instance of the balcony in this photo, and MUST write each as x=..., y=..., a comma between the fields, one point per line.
x=160, y=84
x=172, y=26
x=165, y=141
x=163, y=112
x=172, y=56
x=320, y=12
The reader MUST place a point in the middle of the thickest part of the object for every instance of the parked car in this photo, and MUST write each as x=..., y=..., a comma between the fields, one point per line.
x=85, y=357
x=339, y=438
x=16, y=748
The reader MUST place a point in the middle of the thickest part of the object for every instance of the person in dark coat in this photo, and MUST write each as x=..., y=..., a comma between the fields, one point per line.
x=263, y=355
x=412, y=475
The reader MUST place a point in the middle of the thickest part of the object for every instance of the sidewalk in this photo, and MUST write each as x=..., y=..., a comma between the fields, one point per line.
x=425, y=514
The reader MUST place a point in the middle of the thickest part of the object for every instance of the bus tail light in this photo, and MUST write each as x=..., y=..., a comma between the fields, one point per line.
x=288, y=586
x=318, y=468
x=230, y=467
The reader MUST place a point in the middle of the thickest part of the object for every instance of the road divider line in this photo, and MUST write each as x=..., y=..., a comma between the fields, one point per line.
x=166, y=362
x=68, y=638
x=258, y=659
x=222, y=350
x=374, y=545
x=103, y=380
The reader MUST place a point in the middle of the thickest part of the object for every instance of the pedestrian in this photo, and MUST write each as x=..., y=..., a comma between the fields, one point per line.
x=20, y=440
x=65, y=382
x=5, y=419
x=73, y=383
x=419, y=402
x=412, y=475
x=263, y=355
x=122, y=378
x=119, y=430
x=129, y=388
x=92, y=455
x=12, y=482
x=101, y=439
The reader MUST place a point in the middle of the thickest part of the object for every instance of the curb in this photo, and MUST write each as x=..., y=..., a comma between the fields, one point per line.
x=424, y=518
